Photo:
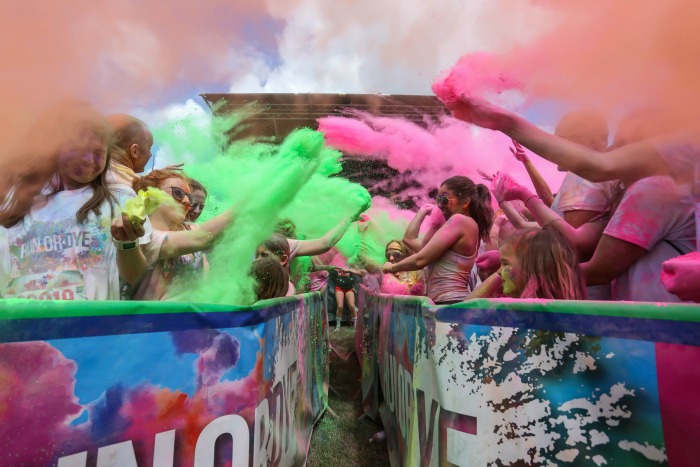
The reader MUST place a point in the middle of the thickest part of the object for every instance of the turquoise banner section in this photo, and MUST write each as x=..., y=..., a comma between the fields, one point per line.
x=118, y=384
x=504, y=382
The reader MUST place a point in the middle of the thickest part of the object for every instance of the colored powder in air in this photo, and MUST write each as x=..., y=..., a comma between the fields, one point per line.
x=474, y=75
x=265, y=183
x=431, y=153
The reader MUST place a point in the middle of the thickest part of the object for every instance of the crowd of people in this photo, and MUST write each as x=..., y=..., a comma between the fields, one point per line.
x=622, y=226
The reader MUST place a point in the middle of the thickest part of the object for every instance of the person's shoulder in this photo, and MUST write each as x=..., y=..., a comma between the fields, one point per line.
x=461, y=219
x=657, y=182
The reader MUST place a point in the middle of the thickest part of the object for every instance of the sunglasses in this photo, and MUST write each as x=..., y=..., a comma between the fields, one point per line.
x=393, y=254
x=442, y=200
x=179, y=194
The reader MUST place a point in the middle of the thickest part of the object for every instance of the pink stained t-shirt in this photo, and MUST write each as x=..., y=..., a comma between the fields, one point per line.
x=657, y=215
x=578, y=194
x=683, y=158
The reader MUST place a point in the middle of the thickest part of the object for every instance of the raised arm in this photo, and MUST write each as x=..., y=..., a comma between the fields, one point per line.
x=318, y=246
x=584, y=238
x=541, y=187
x=189, y=241
x=410, y=236
x=515, y=217
x=631, y=162
x=444, y=238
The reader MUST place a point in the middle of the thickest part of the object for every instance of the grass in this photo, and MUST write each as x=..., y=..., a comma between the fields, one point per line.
x=343, y=440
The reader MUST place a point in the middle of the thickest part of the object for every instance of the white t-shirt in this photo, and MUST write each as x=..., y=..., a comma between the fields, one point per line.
x=578, y=194
x=161, y=273
x=50, y=256
x=683, y=158
x=653, y=212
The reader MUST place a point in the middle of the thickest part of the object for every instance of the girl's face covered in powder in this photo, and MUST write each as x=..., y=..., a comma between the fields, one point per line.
x=80, y=165
x=511, y=272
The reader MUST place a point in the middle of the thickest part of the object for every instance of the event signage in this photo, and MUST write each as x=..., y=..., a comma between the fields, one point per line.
x=532, y=383
x=162, y=384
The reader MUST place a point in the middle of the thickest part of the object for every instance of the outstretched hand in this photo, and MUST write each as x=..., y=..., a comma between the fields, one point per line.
x=519, y=152
x=505, y=188
x=481, y=113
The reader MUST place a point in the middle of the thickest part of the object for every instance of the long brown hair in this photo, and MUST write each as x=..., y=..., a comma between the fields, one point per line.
x=549, y=264
x=271, y=277
x=479, y=201
x=34, y=169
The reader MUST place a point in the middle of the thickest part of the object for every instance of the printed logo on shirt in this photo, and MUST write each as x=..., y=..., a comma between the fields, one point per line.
x=48, y=259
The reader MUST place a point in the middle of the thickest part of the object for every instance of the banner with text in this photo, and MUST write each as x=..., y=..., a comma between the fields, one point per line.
x=503, y=383
x=127, y=384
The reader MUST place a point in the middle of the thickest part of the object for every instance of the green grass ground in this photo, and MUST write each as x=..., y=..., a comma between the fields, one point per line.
x=343, y=440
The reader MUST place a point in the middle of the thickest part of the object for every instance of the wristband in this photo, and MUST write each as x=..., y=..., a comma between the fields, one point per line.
x=128, y=245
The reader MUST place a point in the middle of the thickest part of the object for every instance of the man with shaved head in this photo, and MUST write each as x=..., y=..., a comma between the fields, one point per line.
x=131, y=150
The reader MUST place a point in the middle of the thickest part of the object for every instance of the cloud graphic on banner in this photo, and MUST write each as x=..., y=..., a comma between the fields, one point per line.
x=37, y=402
x=218, y=352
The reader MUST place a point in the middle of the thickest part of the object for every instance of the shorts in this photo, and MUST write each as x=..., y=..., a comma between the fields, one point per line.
x=340, y=289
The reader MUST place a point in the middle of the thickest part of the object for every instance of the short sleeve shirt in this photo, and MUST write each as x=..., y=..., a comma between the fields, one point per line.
x=656, y=214
x=578, y=194
x=49, y=255
x=683, y=159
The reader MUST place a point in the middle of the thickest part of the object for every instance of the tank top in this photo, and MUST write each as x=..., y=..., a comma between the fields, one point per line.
x=448, y=278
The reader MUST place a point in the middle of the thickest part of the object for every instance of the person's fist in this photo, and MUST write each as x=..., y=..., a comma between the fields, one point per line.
x=123, y=230
x=489, y=261
x=681, y=276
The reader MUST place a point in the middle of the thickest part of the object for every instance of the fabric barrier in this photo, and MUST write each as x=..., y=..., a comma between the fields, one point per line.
x=504, y=382
x=122, y=384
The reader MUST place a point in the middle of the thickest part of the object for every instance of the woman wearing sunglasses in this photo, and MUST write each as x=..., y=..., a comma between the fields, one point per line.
x=176, y=249
x=450, y=250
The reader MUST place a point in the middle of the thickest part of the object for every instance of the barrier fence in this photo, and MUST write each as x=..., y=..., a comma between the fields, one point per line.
x=504, y=382
x=160, y=383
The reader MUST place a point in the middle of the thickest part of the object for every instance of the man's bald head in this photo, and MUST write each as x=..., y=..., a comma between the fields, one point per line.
x=585, y=127
x=132, y=141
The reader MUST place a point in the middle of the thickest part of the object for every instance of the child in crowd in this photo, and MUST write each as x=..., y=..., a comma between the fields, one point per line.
x=535, y=263
x=272, y=280
x=344, y=280
x=62, y=237
x=277, y=247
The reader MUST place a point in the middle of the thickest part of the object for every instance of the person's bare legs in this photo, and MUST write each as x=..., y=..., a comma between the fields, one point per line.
x=350, y=295
x=340, y=303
